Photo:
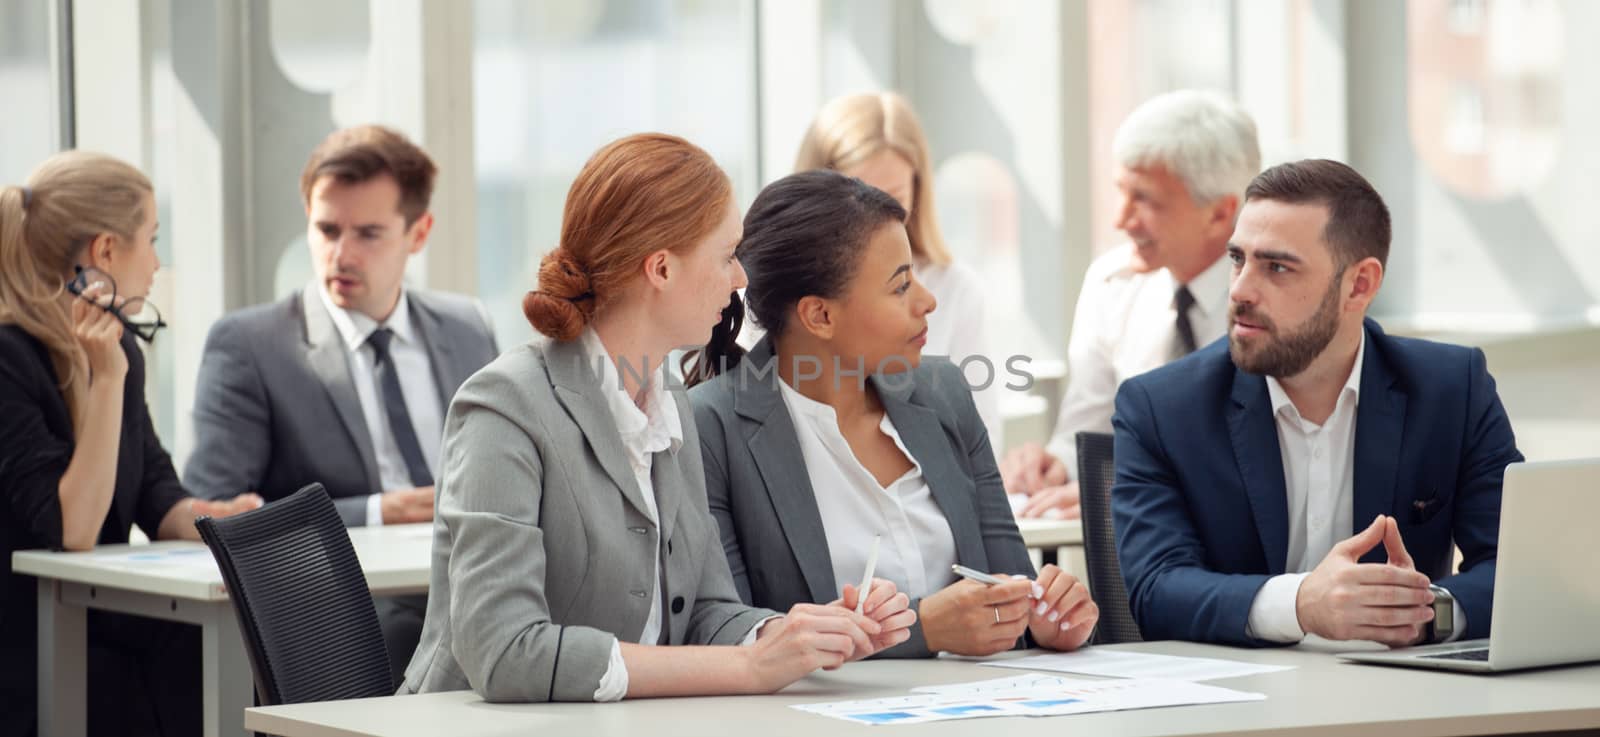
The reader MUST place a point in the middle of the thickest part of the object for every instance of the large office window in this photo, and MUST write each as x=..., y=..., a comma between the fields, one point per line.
x=1139, y=49
x=28, y=81
x=555, y=81
x=1491, y=178
x=224, y=100
x=1471, y=117
x=986, y=80
x=160, y=386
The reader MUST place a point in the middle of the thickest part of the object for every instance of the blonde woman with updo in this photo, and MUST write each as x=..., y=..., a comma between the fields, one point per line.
x=574, y=558
x=80, y=462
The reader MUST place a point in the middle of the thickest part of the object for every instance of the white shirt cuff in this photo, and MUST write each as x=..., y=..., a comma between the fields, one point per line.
x=750, y=637
x=614, y=684
x=375, y=510
x=1272, y=613
x=1063, y=450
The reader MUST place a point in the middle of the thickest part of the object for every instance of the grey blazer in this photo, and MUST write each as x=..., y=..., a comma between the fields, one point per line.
x=542, y=550
x=761, y=495
x=275, y=405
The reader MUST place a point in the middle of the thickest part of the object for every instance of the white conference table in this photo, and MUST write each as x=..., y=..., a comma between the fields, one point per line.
x=1050, y=533
x=1058, y=541
x=1321, y=697
x=177, y=580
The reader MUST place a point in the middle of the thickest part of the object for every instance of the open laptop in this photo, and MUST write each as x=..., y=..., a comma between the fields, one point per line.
x=1546, y=584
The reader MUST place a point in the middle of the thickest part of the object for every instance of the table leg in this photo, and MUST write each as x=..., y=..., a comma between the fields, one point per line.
x=63, y=664
x=1071, y=560
x=229, y=688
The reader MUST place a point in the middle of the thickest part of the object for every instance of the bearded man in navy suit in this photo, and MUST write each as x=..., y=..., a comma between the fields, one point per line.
x=1310, y=474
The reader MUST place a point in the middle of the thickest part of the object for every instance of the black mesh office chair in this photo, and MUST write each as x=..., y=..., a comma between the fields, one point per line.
x=1095, y=473
x=302, y=601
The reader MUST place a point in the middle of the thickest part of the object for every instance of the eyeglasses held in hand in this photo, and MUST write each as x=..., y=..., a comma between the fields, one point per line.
x=136, y=314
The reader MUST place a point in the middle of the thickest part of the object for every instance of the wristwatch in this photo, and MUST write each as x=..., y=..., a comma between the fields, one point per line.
x=1444, y=615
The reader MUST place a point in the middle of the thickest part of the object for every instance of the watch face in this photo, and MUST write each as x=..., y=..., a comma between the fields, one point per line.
x=1444, y=611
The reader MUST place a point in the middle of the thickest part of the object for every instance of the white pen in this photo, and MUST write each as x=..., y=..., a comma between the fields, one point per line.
x=975, y=575
x=866, y=578
x=981, y=577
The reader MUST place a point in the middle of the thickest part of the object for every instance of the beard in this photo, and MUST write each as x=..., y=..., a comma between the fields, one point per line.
x=1289, y=354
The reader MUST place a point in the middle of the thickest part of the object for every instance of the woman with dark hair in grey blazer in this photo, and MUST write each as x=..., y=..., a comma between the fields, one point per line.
x=835, y=429
x=572, y=537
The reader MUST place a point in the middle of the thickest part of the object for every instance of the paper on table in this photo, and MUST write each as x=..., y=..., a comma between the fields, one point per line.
x=1020, y=682
x=914, y=709
x=1154, y=691
x=1122, y=664
x=1029, y=695
x=187, y=559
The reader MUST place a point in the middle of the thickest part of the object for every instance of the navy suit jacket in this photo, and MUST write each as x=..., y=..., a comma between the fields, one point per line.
x=1199, y=501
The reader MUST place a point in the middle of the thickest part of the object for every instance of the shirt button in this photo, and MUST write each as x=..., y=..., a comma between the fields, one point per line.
x=1316, y=452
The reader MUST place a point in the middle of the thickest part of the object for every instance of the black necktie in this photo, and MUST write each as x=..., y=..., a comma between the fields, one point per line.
x=1184, y=300
x=394, y=405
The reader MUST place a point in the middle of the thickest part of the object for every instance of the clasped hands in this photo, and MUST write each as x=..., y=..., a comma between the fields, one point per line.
x=1344, y=599
x=971, y=618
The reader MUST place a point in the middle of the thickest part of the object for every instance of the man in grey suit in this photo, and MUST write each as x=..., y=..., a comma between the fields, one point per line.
x=345, y=382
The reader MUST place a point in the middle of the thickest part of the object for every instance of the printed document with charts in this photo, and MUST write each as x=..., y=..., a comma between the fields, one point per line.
x=1033, y=694
x=1094, y=661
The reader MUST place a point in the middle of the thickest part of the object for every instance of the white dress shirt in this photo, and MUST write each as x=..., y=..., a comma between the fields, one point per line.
x=415, y=371
x=644, y=433
x=1125, y=325
x=917, y=549
x=1319, y=479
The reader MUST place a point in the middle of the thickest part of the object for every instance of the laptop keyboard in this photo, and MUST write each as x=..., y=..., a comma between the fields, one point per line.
x=1480, y=655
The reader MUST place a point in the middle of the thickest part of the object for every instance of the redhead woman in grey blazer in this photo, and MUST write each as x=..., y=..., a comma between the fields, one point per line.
x=572, y=538
x=835, y=429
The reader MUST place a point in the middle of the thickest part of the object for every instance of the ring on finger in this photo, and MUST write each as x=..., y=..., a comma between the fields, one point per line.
x=997, y=615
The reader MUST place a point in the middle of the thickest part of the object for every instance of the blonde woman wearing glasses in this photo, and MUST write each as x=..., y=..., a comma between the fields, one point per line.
x=80, y=463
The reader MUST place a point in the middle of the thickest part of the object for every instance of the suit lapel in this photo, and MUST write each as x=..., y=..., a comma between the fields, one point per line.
x=578, y=388
x=1255, y=449
x=440, y=345
x=329, y=360
x=775, y=446
x=1380, y=429
x=950, y=485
